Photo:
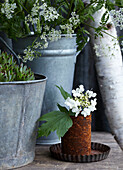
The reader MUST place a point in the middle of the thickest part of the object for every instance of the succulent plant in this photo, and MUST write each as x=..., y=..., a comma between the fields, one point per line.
x=10, y=71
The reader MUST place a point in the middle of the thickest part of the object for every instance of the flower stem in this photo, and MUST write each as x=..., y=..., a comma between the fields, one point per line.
x=101, y=31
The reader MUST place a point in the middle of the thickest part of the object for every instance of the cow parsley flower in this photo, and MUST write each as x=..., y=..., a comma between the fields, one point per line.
x=35, y=9
x=8, y=9
x=29, y=54
x=54, y=35
x=68, y=28
x=49, y=13
x=117, y=17
x=74, y=19
x=71, y=25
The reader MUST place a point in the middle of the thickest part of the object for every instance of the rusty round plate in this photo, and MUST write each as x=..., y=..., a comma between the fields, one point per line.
x=98, y=152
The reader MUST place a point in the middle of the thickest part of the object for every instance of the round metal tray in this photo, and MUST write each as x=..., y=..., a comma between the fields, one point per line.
x=98, y=153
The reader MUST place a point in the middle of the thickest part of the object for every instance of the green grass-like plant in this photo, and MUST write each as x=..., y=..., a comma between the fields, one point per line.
x=10, y=71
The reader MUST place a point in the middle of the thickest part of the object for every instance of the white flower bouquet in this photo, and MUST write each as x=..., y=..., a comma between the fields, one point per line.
x=82, y=103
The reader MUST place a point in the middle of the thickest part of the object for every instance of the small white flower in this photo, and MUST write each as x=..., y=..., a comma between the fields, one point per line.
x=76, y=93
x=76, y=110
x=8, y=9
x=91, y=93
x=54, y=35
x=86, y=112
x=34, y=11
x=91, y=108
x=46, y=45
x=72, y=103
x=94, y=102
x=47, y=28
x=117, y=17
x=29, y=54
x=81, y=87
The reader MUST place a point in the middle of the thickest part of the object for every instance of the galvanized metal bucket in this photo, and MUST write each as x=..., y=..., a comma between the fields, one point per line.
x=20, y=108
x=57, y=62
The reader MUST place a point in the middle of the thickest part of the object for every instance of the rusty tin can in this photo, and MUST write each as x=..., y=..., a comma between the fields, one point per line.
x=77, y=140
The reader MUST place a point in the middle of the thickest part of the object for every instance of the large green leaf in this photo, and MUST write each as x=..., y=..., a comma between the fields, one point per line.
x=64, y=93
x=55, y=121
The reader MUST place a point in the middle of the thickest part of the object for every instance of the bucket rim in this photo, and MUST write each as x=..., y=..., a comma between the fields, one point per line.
x=40, y=78
x=34, y=35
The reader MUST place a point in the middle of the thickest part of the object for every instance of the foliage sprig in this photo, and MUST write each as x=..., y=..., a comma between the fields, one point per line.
x=48, y=19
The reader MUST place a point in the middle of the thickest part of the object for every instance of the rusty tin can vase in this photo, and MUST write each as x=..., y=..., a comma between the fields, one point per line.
x=77, y=140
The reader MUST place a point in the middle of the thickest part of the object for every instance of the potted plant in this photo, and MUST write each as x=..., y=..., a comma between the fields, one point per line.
x=73, y=126
x=21, y=96
x=38, y=26
x=72, y=123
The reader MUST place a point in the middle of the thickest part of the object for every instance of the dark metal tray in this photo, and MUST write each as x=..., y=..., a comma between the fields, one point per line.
x=98, y=152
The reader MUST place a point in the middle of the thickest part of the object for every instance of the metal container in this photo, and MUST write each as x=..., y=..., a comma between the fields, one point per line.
x=20, y=108
x=57, y=62
x=77, y=140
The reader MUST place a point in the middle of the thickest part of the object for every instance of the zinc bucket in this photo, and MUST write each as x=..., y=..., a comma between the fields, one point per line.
x=57, y=62
x=20, y=108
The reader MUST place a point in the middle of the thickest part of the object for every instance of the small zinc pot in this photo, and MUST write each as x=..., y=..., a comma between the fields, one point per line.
x=77, y=140
x=20, y=108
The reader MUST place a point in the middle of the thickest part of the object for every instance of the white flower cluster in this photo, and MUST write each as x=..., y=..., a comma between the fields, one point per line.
x=73, y=22
x=82, y=102
x=38, y=11
x=53, y=35
x=106, y=49
x=74, y=19
x=8, y=8
x=117, y=16
x=68, y=28
x=49, y=14
x=29, y=54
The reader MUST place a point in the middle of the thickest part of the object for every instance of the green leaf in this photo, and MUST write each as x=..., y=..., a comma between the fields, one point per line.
x=62, y=109
x=91, y=18
x=64, y=93
x=64, y=10
x=78, y=4
x=55, y=121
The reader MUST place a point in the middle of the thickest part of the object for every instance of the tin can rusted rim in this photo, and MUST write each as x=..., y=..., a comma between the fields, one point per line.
x=99, y=152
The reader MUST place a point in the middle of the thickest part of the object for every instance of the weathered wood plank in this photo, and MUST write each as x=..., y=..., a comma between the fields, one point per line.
x=44, y=161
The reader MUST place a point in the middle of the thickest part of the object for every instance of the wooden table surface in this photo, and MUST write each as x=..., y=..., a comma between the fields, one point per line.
x=44, y=161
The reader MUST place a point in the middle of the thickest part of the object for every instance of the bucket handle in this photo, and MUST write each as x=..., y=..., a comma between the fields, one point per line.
x=10, y=49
